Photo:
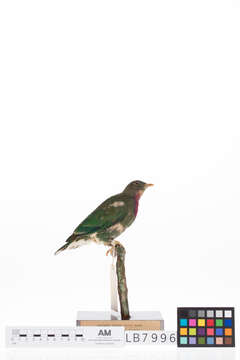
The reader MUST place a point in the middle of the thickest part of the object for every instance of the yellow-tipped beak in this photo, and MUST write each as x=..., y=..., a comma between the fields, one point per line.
x=147, y=185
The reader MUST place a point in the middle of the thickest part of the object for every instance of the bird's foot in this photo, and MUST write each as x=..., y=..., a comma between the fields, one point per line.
x=112, y=250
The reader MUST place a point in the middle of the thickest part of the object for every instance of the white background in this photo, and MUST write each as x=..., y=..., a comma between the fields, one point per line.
x=95, y=94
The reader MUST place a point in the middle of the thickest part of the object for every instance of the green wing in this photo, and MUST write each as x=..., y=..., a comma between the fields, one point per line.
x=103, y=217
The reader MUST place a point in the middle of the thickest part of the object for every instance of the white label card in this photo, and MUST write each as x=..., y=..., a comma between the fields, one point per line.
x=104, y=335
x=86, y=335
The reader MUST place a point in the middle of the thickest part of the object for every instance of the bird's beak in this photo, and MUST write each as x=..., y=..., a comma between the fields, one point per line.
x=147, y=185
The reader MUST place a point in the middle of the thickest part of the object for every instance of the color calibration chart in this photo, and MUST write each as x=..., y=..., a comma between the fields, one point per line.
x=205, y=327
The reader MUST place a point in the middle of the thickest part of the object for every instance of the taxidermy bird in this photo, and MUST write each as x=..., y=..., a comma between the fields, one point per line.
x=109, y=219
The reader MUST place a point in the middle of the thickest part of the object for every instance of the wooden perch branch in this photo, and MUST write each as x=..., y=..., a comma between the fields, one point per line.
x=122, y=283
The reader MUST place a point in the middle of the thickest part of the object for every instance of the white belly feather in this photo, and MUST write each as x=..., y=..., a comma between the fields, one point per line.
x=77, y=243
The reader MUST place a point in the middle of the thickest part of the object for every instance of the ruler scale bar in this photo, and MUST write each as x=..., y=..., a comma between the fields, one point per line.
x=85, y=336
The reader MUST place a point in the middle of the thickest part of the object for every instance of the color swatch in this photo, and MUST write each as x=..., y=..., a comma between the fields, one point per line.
x=205, y=327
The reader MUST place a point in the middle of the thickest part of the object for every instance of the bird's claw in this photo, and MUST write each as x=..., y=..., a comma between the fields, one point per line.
x=112, y=249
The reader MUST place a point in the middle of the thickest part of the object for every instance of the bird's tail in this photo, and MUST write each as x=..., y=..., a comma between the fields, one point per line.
x=61, y=249
x=72, y=242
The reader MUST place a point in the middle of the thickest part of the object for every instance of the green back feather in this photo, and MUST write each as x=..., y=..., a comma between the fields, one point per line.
x=103, y=216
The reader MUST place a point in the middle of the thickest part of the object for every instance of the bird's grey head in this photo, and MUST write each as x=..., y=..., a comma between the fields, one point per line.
x=136, y=187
